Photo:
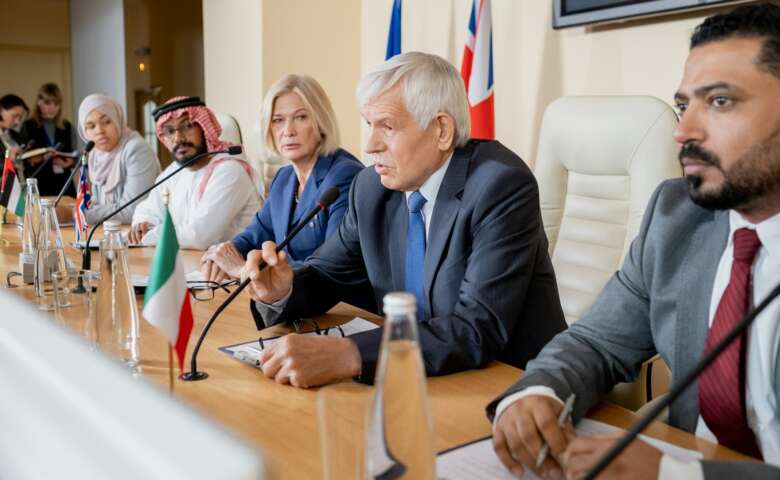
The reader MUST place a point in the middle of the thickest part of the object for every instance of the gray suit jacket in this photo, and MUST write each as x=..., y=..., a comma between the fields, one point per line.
x=489, y=281
x=138, y=167
x=658, y=302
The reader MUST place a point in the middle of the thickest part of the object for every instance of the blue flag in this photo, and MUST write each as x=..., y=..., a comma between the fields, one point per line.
x=394, y=35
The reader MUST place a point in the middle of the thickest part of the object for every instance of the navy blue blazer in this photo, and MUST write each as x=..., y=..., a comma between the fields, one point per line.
x=489, y=282
x=277, y=217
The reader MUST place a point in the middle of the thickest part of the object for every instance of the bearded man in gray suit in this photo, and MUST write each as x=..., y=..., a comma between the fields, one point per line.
x=709, y=248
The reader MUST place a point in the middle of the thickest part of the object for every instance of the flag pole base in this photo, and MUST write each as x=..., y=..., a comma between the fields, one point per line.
x=194, y=376
x=80, y=289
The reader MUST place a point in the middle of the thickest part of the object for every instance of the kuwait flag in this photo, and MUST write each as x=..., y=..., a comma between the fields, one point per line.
x=11, y=192
x=167, y=300
x=477, y=70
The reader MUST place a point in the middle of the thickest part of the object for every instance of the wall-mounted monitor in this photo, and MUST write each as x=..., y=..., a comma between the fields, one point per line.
x=570, y=13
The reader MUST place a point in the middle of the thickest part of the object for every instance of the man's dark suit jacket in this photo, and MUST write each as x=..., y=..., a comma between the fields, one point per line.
x=489, y=281
x=657, y=303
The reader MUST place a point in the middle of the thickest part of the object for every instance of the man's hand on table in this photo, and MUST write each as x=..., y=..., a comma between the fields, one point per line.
x=532, y=421
x=137, y=232
x=521, y=431
x=308, y=361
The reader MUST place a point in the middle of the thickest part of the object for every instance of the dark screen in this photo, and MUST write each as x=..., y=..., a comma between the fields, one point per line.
x=569, y=7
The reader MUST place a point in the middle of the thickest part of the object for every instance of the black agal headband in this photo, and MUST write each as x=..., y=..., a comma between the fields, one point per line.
x=178, y=104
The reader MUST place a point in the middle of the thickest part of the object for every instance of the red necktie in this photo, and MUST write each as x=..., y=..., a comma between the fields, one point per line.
x=722, y=385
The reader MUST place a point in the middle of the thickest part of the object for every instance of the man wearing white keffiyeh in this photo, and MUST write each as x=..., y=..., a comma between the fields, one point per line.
x=211, y=200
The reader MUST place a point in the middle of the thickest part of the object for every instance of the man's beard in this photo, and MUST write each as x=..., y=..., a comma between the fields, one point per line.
x=753, y=175
x=198, y=151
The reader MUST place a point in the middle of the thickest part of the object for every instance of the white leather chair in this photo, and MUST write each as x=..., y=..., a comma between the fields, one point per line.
x=231, y=131
x=599, y=160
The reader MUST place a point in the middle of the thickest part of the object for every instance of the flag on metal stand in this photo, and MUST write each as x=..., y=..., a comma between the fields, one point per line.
x=167, y=299
x=83, y=202
x=477, y=70
x=3, y=209
x=11, y=191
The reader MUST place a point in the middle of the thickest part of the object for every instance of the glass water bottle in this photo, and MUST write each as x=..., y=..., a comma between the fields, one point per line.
x=49, y=257
x=30, y=225
x=400, y=432
x=116, y=311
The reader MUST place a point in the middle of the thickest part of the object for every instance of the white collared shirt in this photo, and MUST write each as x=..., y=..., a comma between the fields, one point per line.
x=762, y=407
x=429, y=190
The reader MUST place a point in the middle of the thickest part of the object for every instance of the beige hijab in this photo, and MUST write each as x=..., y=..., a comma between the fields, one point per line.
x=104, y=167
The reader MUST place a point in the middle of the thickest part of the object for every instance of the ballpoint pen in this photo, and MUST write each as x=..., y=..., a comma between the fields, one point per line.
x=567, y=408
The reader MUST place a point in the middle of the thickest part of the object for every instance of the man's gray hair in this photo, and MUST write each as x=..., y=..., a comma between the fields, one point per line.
x=430, y=85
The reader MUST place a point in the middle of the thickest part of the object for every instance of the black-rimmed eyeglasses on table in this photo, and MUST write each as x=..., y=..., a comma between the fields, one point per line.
x=203, y=290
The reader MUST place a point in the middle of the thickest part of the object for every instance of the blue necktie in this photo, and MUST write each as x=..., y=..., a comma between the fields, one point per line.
x=415, y=251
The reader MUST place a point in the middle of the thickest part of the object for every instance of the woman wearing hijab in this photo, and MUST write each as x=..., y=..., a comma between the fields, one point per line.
x=121, y=165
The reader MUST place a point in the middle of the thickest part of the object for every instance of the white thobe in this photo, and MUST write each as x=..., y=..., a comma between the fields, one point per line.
x=226, y=207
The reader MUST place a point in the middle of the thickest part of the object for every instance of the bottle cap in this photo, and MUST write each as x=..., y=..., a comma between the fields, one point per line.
x=32, y=181
x=399, y=303
x=47, y=202
x=112, y=226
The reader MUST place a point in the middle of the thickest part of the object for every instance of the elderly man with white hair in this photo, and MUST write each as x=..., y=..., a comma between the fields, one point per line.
x=454, y=221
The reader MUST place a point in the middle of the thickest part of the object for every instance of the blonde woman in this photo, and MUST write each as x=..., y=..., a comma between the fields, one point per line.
x=298, y=126
x=121, y=165
x=47, y=128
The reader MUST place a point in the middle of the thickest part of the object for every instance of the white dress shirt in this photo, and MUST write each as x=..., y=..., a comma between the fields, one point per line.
x=226, y=207
x=763, y=413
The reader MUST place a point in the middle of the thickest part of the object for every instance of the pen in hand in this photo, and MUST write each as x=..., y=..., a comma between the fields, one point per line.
x=565, y=413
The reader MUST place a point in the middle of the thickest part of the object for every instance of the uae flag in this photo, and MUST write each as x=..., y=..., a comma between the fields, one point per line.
x=11, y=192
x=167, y=300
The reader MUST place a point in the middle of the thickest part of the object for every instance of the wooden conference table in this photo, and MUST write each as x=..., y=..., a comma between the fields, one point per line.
x=280, y=420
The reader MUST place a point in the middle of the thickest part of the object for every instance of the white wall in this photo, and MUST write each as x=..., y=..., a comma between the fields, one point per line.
x=534, y=64
x=232, y=64
x=321, y=39
x=248, y=44
x=98, y=49
x=35, y=49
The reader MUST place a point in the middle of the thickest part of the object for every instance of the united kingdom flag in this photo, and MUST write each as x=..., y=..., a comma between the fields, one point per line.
x=83, y=202
x=477, y=70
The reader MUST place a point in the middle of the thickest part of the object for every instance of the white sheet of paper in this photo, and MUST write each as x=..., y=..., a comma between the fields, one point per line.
x=478, y=461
